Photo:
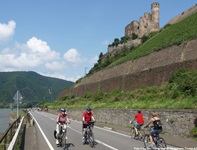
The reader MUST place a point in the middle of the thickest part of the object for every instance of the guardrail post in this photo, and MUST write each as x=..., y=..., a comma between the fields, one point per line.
x=5, y=142
x=31, y=121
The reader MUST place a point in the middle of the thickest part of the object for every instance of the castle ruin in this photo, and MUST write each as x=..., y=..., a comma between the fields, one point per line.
x=148, y=23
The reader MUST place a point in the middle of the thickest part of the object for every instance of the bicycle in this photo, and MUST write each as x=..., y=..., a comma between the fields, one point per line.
x=158, y=141
x=134, y=131
x=89, y=135
x=62, y=136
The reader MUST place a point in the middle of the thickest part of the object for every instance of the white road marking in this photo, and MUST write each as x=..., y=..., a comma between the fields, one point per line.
x=49, y=144
x=100, y=129
x=106, y=145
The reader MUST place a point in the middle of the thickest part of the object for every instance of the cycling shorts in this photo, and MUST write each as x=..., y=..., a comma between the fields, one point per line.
x=84, y=126
x=153, y=132
x=138, y=126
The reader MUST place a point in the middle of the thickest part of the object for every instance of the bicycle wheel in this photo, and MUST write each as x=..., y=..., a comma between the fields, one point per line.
x=64, y=141
x=132, y=133
x=141, y=134
x=161, y=143
x=146, y=141
x=91, y=139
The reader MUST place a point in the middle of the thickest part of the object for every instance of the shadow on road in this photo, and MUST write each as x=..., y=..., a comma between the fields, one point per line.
x=68, y=145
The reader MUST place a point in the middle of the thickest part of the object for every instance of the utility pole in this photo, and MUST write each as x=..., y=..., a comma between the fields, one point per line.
x=17, y=97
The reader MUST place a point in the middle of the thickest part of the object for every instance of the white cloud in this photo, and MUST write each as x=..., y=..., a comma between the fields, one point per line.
x=54, y=65
x=53, y=75
x=41, y=49
x=72, y=56
x=37, y=45
x=59, y=76
x=34, y=53
x=73, y=79
x=7, y=31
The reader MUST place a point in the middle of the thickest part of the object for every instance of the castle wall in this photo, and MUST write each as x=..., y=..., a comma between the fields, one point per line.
x=129, y=43
x=148, y=23
x=154, y=69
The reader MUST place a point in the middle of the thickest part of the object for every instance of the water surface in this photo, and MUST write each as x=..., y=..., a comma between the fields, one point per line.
x=4, y=119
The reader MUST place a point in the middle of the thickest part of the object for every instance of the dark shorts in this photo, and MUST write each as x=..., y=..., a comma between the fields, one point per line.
x=138, y=126
x=153, y=132
x=84, y=126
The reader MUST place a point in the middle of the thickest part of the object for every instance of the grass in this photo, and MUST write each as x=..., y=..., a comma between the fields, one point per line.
x=179, y=93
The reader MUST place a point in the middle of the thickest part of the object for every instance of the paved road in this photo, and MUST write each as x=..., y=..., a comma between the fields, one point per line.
x=105, y=139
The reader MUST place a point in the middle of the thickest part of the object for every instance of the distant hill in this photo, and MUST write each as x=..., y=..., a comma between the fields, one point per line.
x=32, y=86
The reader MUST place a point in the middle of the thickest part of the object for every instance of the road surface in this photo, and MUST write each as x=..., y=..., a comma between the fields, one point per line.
x=105, y=139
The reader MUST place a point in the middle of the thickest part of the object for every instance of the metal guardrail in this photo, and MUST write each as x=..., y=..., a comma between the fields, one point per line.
x=12, y=144
x=11, y=132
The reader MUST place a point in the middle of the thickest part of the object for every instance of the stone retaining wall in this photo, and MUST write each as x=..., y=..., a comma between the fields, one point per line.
x=175, y=122
x=151, y=70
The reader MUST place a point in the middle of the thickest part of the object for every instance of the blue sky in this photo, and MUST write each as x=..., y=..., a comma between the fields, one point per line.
x=60, y=38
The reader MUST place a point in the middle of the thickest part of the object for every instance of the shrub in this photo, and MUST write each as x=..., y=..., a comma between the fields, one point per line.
x=186, y=81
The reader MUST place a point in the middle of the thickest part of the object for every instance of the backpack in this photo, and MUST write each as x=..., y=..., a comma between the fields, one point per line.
x=54, y=133
x=157, y=124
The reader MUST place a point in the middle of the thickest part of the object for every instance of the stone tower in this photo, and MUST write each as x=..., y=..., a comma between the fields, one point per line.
x=155, y=16
x=147, y=23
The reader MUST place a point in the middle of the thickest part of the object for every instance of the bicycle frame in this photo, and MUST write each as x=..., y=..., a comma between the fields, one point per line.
x=62, y=135
x=90, y=134
x=137, y=134
x=157, y=140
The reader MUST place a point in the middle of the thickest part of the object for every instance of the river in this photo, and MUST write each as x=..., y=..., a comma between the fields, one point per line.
x=4, y=119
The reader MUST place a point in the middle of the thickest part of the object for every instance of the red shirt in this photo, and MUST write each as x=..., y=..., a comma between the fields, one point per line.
x=87, y=116
x=140, y=119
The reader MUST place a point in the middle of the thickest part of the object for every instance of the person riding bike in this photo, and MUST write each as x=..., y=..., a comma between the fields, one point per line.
x=139, y=119
x=62, y=119
x=87, y=116
x=157, y=126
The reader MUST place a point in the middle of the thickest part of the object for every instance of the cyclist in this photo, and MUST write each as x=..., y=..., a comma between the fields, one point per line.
x=86, y=117
x=139, y=119
x=157, y=127
x=62, y=119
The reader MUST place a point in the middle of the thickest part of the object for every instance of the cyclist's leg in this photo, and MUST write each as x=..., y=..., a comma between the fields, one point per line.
x=136, y=128
x=140, y=132
x=152, y=132
x=57, y=133
x=132, y=132
x=84, y=128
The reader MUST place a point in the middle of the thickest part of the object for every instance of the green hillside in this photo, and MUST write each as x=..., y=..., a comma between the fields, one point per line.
x=178, y=93
x=169, y=35
x=33, y=87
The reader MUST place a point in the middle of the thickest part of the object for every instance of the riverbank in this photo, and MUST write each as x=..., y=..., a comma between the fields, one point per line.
x=4, y=119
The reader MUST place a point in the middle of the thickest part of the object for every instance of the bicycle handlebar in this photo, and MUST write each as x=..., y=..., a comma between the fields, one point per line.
x=149, y=127
x=61, y=123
